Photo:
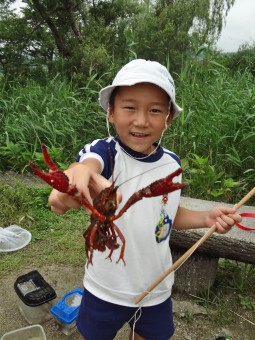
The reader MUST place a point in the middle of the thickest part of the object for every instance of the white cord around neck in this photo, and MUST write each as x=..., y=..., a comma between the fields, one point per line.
x=144, y=157
x=153, y=151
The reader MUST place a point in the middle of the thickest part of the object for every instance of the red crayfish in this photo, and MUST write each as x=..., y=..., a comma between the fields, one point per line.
x=103, y=232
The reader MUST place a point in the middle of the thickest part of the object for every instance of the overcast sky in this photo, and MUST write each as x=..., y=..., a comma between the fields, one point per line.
x=239, y=29
x=240, y=26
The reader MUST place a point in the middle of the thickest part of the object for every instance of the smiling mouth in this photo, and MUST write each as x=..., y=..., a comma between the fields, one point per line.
x=139, y=135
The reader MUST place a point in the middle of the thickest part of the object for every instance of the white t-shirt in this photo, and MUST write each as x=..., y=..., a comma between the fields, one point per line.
x=146, y=226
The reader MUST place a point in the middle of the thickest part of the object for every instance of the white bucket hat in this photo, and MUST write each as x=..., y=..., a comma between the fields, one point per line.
x=141, y=71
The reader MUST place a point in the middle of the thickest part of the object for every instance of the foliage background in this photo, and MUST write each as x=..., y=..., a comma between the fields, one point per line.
x=56, y=55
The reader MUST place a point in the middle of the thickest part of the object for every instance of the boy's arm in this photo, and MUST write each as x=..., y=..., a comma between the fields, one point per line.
x=87, y=179
x=223, y=217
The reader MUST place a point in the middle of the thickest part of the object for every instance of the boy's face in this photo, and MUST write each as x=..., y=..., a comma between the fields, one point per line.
x=140, y=115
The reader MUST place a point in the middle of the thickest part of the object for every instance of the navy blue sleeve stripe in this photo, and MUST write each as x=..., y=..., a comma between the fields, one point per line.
x=105, y=148
x=174, y=156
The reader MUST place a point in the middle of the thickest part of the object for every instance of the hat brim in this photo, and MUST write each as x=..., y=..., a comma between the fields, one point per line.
x=105, y=95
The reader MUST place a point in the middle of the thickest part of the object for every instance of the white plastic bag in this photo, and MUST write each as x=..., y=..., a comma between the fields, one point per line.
x=13, y=238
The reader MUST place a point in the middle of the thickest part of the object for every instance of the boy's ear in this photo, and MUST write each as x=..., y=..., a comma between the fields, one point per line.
x=169, y=119
x=170, y=116
x=110, y=114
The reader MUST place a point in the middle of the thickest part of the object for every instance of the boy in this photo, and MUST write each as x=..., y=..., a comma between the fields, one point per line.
x=140, y=104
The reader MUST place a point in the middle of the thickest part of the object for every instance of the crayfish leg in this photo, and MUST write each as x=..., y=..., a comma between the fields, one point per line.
x=90, y=245
x=122, y=238
x=81, y=198
x=111, y=241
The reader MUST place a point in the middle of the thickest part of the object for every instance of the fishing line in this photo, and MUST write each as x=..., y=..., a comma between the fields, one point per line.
x=135, y=321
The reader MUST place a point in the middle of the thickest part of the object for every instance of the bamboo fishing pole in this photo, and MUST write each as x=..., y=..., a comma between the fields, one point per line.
x=190, y=251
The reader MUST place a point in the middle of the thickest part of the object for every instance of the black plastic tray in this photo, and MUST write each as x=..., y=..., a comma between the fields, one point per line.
x=33, y=290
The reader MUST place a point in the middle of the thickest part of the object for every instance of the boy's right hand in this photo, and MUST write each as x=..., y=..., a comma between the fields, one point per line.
x=86, y=181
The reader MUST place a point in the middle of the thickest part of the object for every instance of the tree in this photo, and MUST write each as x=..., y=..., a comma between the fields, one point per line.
x=24, y=44
x=171, y=30
x=73, y=36
x=243, y=60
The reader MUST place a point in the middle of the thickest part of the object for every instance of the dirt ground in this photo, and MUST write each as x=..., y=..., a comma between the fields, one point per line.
x=192, y=321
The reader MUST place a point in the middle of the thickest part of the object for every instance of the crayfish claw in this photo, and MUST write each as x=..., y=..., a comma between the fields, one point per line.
x=55, y=177
x=175, y=173
x=47, y=158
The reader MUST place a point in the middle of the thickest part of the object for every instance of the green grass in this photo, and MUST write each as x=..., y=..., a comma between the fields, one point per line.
x=233, y=292
x=55, y=238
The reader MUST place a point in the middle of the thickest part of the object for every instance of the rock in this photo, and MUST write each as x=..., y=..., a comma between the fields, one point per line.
x=187, y=307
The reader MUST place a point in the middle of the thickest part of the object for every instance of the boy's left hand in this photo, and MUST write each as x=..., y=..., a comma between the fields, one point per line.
x=224, y=218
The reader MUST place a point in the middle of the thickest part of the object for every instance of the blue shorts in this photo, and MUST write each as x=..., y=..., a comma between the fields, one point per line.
x=99, y=319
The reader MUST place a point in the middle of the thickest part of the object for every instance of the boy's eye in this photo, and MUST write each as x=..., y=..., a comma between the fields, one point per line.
x=129, y=108
x=155, y=111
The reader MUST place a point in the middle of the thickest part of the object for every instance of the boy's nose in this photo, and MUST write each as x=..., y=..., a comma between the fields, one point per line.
x=141, y=119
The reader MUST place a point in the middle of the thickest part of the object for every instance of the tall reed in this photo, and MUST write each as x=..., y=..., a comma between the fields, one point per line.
x=59, y=115
x=217, y=121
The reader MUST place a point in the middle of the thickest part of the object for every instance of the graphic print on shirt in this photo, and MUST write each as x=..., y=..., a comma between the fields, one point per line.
x=164, y=225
